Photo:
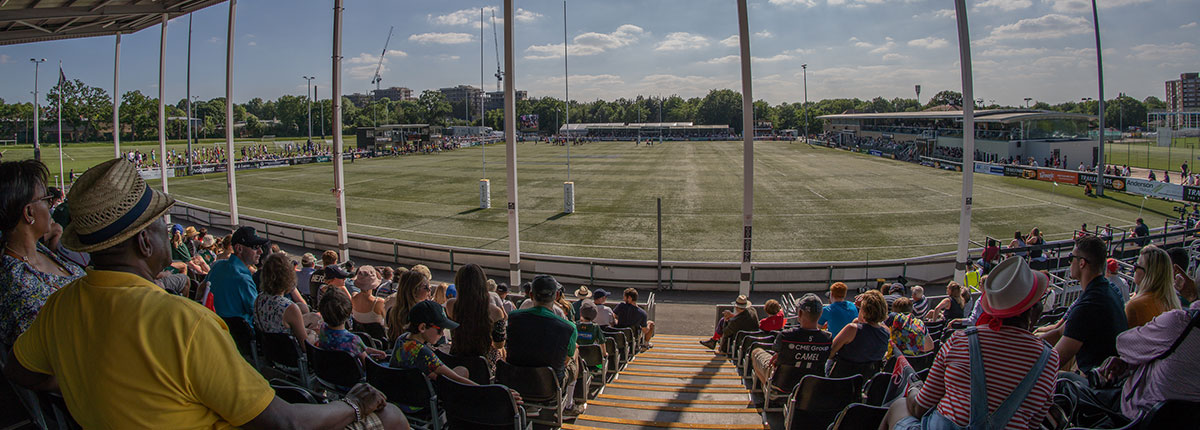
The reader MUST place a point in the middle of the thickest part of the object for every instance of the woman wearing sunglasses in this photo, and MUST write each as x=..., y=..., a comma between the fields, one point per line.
x=29, y=271
x=1155, y=291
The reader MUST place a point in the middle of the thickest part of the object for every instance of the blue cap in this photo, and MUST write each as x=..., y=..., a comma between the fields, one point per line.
x=451, y=292
x=599, y=293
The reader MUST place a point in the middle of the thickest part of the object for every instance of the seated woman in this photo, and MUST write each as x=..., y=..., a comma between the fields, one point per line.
x=274, y=312
x=335, y=309
x=1155, y=287
x=908, y=332
x=29, y=271
x=951, y=307
x=483, y=330
x=413, y=289
x=774, y=320
x=367, y=309
x=859, y=348
x=999, y=357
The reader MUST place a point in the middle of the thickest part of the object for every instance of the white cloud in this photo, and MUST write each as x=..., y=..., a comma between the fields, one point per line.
x=1151, y=52
x=251, y=43
x=442, y=38
x=1050, y=26
x=588, y=43
x=1080, y=6
x=929, y=43
x=1004, y=5
x=944, y=13
x=805, y=3
x=446, y=57
x=1189, y=25
x=680, y=41
x=4, y=59
x=731, y=41
x=894, y=57
x=764, y=34
x=603, y=79
x=1012, y=52
x=471, y=16
x=733, y=59
x=885, y=47
x=362, y=66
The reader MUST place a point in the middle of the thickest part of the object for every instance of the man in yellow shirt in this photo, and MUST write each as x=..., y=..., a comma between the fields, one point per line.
x=126, y=354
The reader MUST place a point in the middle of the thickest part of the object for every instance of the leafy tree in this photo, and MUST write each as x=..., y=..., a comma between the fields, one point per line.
x=1154, y=103
x=434, y=107
x=1124, y=111
x=721, y=107
x=82, y=106
x=946, y=97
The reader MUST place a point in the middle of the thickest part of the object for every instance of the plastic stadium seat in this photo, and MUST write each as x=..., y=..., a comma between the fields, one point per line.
x=816, y=401
x=782, y=382
x=922, y=361
x=741, y=351
x=408, y=387
x=376, y=331
x=592, y=356
x=1170, y=414
x=297, y=395
x=624, y=352
x=859, y=416
x=539, y=388
x=337, y=370
x=477, y=366
x=877, y=388
x=283, y=353
x=614, y=357
x=243, y=337
x=479, y=406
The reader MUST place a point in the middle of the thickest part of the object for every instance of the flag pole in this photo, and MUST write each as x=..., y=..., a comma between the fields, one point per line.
x=61, y=78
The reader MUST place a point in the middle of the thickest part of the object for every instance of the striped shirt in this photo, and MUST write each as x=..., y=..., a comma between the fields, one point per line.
x=1008, y=354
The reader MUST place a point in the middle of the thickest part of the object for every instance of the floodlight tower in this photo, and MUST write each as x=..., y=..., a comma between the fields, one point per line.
x=37, y=135
x=308, y=95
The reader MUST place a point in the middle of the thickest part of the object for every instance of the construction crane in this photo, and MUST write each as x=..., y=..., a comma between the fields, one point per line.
x=377, y=79
x=499, y=74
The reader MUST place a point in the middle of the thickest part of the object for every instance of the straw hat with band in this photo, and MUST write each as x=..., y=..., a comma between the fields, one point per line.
x=583, y=292
x=742, y=302
x=1012, y=288
x=109, y=204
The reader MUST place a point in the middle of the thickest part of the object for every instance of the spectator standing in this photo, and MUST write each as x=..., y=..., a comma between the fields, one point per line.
x=367, y=309
x=804, y=348
x=273, y=311
x=999, y=360
x=413, y=289
x=29, y=270
x=858, y=349
x=1141, y=230
x=231, y=282
x=774, y=320
x=182, y=365
x=1088, y=332
x=604, y=313
x=838, y=312
x=539, y=337
x=308, y=264
x=1155, y=293
x=483, y=329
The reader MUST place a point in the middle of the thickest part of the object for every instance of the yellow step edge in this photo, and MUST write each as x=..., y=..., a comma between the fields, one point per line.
x=696, y=375
x=675, y=384
x=697, y=357
x=675, y=408
x=678, y=390
x=672, y=401
x=666, y=425
x=660, y=363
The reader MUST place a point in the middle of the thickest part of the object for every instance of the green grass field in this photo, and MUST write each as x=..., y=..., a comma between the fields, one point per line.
x=811, y=203
x=1157, y=158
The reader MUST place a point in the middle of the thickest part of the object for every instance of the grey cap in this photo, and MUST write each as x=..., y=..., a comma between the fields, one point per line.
x=810, y=304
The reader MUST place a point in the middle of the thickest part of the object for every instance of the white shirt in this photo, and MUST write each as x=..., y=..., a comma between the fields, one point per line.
x=605, y=316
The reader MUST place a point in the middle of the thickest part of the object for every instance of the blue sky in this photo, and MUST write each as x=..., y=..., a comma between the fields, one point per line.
x=854, y=48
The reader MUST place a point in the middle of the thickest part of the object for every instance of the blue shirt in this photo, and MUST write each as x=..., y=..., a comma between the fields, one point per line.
x=837, y=315
x=233, y=289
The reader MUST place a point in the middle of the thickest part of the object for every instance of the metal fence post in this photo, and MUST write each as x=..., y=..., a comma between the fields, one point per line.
x=592, y=273
x=395, y=252
x=830, y=282
x=451, y=259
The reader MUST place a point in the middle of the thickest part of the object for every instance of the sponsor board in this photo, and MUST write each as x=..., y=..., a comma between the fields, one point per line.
x=1110, y=182
x=989, y=169
x=1191, y=194
x=875, y=152
x=1015, y=171
x=1161, y=190
x=154, y=173
x=1060, y=176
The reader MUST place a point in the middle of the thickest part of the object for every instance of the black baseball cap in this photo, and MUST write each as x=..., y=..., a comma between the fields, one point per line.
x=248, y=236
x=545, y=286
x=430, y=312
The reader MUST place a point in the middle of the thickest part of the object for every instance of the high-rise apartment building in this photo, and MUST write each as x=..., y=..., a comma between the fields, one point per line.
x=1184, y=93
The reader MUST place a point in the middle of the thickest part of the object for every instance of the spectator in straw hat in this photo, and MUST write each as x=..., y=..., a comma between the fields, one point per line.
x=999, y=358
x=167, y=360
x=581, y=295
x=743, y=317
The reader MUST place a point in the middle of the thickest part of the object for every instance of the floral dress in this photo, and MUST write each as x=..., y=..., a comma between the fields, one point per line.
x=340, y=340
x=268, y=313
x=908, y=335
x=23, y=291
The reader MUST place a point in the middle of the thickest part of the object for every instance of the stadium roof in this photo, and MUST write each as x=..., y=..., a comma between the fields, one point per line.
x=985, y=115
x=27, y=21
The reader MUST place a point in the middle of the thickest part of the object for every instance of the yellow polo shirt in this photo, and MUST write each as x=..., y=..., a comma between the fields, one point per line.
x=129, y=355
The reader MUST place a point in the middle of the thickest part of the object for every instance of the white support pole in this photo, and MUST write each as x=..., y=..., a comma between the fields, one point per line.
x=162, y=108
x=962, y=257
x=339, y=184
x=116, y=95
x=568, y=187
x=61, y=176
x=230, y=176
x=747, y=148
x=1100, y=77
x=510, y=149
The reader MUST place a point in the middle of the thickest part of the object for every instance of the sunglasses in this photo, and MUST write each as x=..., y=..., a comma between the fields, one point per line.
x=46, y=198
x=1071, y=258
x=1139, y=267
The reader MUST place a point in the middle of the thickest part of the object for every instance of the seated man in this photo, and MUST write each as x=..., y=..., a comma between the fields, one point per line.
x=742, y=318
x=1088, y=333
x=166, y=361
x=604, y=314
x=231, y=282
x=629, y=314
x=539, y=337
x=804, y=349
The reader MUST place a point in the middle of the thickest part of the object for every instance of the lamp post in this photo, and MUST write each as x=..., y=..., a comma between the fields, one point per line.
x=37, y=135
x=1100, y=79
x=308, y=95
x=804, y=72
x=1027, y=100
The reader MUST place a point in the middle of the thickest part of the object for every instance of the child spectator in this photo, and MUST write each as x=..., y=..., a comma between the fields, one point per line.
x=774, y=320
x=335, y=309
x=589, y=331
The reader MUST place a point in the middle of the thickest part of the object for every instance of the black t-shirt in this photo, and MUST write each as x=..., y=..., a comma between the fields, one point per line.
x=629, y=315
x=1096, y=319
x=537, y=337
x=804, y=349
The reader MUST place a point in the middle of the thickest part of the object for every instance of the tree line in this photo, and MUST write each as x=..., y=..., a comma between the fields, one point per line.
x=87, y=111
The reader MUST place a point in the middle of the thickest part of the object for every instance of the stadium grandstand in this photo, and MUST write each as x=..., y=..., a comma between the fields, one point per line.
x=675, y=131
x=1000, y=134
x=187, y=317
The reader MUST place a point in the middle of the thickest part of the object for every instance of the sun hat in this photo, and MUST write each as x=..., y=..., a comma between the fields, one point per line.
x=1012, y=288
x=582, y=292
x=308, y=258
x=109, y=204
x=190, y=231
x=208, y=241
x=742, y=302
x=430, y=312
x=587, y=311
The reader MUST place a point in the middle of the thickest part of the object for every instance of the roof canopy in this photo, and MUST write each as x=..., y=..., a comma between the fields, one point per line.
x=26, y=21
x=986, y=115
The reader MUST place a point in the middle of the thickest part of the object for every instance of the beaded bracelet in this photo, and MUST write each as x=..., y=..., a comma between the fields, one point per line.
x=357, y=412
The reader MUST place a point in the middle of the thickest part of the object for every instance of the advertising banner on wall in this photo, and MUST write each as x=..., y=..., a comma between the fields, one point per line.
x=1161, y=190
x=1015, y=171
x=1060, y=176
x=990, y=169
x=1110, y=182
x=154, y=173
x=1191, y=194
